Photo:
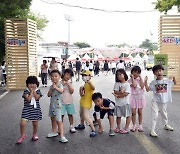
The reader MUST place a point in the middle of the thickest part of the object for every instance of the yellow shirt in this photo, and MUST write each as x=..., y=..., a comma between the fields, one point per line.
x=86, y=99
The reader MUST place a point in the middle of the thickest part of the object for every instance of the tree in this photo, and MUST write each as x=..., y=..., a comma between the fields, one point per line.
x=40, y=20
x=82, y=44
x=165, y=5
x=17, y=9
x=146, y=45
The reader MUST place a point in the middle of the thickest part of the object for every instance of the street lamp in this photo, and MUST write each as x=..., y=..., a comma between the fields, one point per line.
x=69, y=19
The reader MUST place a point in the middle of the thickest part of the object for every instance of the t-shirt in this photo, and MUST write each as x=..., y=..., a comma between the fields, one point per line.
x=67, y=98
x=106, y=103
x=86, y=99
x=120, y=65
x=78, y=65
x=137, y=92
x=122, y=86
x=91, y=66
x=161, y=90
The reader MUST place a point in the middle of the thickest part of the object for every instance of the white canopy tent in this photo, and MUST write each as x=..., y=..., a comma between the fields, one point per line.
x=73, y=57
x=86, y=57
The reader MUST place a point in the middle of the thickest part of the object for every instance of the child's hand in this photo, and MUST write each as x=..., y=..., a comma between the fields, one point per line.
x=132, y=76
x=146, y=79
x=64, y=82
x=102, y=107
x=123, y=90
x=114, y=94
x=54, y=86
x=82, y=91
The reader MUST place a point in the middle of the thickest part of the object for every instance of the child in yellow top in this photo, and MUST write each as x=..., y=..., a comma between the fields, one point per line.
x=86, y=93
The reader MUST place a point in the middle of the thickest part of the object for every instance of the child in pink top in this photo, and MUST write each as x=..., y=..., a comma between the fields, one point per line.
x=137, y=100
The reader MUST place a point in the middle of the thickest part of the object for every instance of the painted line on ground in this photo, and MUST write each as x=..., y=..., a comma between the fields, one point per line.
x=149, y=146
x=5, y=93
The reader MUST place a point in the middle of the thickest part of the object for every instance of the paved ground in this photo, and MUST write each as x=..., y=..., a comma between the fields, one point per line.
x=80, y=143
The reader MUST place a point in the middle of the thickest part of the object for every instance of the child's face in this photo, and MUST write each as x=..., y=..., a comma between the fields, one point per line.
x=159, y=73
x=32, y=86
x=135, y=74
x=98, y=101
x=85, y=78
x=67, y=76
x=55, y=77
x=120, y=76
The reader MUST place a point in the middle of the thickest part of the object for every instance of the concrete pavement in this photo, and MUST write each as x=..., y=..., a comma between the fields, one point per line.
x=80, y=142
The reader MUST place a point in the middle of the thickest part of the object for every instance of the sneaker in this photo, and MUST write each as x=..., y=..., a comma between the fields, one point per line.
x=35, y=138
x=140, y=128
x=111, y=132
x=133, y=128
x=93, y=134
x=19, y=141
x=52, y=135
x=80, y=127
x=45, y=85
x=63, y=140
x=72, y=130
x=95, y=123
x=124, y=131
x=117, y=130
x=167, y=127
x=153, y=134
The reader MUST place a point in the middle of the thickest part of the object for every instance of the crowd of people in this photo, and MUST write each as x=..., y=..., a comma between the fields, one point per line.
x=95, y=67
x=128, y=94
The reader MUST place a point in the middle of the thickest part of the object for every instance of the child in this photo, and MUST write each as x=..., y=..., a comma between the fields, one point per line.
x=31, y=110
x=137, y=100
x=55, y=91
x=103, y=106
x=67, y=98
x=161, y=88
x=86, y=93
x=122, y=106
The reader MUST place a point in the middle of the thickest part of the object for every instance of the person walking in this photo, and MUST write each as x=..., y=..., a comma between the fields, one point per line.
x=44, y=73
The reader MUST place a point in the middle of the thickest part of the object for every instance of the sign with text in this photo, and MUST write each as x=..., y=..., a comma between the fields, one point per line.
x=162, y=59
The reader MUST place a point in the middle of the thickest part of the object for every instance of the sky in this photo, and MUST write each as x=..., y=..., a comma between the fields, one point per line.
x=99, y=28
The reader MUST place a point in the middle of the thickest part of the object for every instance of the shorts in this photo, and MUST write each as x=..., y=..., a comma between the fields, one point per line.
x=56, y=113
x=69, y=108
x=123, y=111
x=103, y=112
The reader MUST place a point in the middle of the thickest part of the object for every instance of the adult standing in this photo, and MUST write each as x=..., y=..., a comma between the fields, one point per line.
x=53, y=65
x=3, y=69
x=78, y=69
x=91, y=66
x=44, y=73
x=96, y=69
x=113, y=66
x=120, y=65
x=106, y=67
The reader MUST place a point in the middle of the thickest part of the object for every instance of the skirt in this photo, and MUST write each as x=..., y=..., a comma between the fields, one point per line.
x=123, y=111
x=137, y=103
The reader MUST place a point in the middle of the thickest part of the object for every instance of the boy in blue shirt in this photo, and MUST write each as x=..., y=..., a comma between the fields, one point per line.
x=103, y=106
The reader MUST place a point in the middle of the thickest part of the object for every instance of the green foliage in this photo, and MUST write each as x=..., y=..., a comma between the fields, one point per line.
x=146, y=45
x=40, y=20
x=17, y=9
x=165, y=5
x=82, y=44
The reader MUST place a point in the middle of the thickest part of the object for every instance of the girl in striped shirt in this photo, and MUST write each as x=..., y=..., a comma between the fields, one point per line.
x=31, y=110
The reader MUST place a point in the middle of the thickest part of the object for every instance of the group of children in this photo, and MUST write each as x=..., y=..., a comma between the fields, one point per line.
x=129, y=100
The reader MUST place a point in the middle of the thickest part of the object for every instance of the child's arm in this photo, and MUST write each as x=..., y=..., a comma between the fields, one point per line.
x=71, y=89
x=81, y=91
x=173, y=79
x=120, y=95
x=134, y=84
x=50, y=92
x=146, y=85
x=60, y=90
x=91, y=84
x=141, y=82
x=37, y=96
x=28, y=97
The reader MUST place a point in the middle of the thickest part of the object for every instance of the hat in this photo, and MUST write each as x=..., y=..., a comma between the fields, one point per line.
x=86, y=72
